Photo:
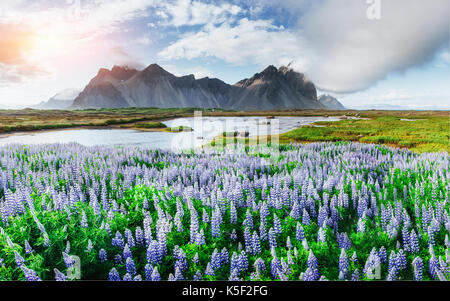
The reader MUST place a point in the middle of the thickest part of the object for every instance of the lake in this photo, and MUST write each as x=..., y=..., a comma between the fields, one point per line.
x=205, y=129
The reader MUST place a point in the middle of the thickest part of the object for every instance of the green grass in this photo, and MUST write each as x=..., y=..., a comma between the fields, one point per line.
x=181, y=128
x=426, y=134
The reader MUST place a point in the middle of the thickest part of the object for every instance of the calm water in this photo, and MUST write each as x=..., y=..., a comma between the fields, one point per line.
x=203, y=132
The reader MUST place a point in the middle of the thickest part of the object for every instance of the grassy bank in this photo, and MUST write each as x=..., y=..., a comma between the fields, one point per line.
x=422, y=134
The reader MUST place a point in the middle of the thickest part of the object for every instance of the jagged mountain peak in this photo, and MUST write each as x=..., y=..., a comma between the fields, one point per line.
x=156, y=70
x=271, y=89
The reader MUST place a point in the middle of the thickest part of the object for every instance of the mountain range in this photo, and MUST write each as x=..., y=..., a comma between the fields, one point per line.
x=271, y=89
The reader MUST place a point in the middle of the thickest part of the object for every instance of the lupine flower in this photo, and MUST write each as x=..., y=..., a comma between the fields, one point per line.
x=299, y=233
x=355, y=275
x=30, y=275
x=311, y=274
x=343, y=264
x=28, y=248
x=102, y=255
x=130, y=267
x=19, y=259
x=84, y=223
x=198, y=276
x=155, y=275
x=418, y=268
x=127, y=252
x=59, y=276
x=312, y=261
x=272, y=238
x=148, y=270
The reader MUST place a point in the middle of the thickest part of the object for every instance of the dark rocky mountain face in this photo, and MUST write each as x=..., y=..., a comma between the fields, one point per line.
x=272, y=89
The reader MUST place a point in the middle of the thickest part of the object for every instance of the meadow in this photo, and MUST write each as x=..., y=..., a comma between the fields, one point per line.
x=317, y=211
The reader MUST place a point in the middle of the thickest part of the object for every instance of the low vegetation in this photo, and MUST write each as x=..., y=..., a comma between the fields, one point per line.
x=421, y=134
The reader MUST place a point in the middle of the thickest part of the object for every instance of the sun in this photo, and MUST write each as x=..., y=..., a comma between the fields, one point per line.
x=48, y=45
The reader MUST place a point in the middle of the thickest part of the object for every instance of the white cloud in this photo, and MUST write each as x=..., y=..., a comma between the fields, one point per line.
x=198, y=71
x=249, y=41
x=354, y=52
x=445, y=56
x=188, y=13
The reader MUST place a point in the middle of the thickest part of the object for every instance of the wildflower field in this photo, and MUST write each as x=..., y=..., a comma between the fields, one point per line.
x=321, y=211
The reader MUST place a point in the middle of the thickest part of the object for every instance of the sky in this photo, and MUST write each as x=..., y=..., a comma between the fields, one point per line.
x=366, y=53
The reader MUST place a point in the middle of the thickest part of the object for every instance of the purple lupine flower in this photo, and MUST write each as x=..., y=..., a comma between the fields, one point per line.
x=209, y=271
x=277, y=225
x=299, y=233
x=401, y=258
x=256, y=245
x=28, y=248
x=223, y=256
x=30, y=275
x=355, y=275
x=272, y=238
x=178, y=274
x=205, y=216
x=233, y=214
x=118, y=259
x=195, y=259
x=216, y=222
x=130, y=238
x=418, y=268
x=102, y=255
x=118, y=241
x=275, y=266
x=84, y=223
x=343, y=264
x=263, y=232
x=59, y=276
x=248, y=222
x=127, y=252
x=414, y=242
x=312, y=261
x=127, y=277
x=130, y=267
x=19, y=259
x=139, y=236
x=382, y=254
x=68, y=260
x=247, y=240
x=260, y=265
x=148, y=270
x=153, y=253
x=216, y=261
x=234, y=265
x=311, y=274
x=198, y=276
x=155, y=275
x=306, y=220
x=406, y=240
x=433, y=266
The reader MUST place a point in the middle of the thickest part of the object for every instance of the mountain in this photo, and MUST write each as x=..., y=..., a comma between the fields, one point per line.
x=330, y=102
x=60, y=101
x=272, y=89
x=275, y=89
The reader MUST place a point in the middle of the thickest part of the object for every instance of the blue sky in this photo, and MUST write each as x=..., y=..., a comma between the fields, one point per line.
x=399, y=58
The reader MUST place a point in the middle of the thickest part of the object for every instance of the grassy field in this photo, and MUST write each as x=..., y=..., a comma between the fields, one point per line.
x=423, y=133
x=31, y=120
x=418, y=130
